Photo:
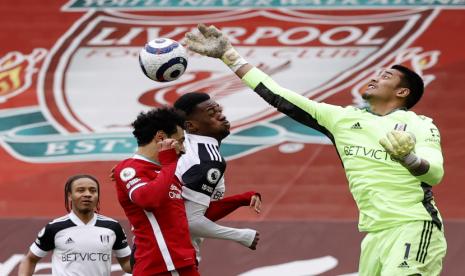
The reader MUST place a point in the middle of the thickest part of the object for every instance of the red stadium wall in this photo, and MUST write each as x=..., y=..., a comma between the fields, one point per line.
x=70, y=86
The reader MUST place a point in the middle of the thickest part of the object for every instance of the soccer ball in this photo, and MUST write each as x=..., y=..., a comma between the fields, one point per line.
x=163, y=59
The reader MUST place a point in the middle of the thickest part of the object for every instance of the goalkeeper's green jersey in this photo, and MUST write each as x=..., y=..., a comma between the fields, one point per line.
x=386, y=193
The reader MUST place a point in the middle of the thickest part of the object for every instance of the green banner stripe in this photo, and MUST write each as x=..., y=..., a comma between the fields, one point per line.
x=29, y=137
x=8, y=121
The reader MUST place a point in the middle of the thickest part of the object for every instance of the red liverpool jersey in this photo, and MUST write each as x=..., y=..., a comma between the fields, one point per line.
x=150, y=195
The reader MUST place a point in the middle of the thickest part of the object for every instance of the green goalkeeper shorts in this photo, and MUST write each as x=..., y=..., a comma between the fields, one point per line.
x=415, y=248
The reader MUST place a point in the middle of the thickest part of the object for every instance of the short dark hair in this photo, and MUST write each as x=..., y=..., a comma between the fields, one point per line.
x=69, y=185
x=147, y=124
x=189, y=101
x=413, y=82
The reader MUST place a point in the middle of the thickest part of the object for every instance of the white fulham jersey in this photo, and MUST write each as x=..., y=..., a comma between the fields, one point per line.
x=201, y=170
x=81, y=249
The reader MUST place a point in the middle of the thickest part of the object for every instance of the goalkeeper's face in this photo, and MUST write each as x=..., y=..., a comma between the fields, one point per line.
x=84, y=195
x=384, y=87
x=208, y=119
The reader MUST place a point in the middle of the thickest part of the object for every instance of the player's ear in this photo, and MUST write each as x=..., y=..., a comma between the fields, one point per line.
x=70, y=200
x=160, y=136
x=190, y=126
x=403, y=92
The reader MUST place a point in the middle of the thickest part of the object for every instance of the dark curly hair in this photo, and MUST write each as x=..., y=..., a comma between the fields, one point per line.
x=148, y=123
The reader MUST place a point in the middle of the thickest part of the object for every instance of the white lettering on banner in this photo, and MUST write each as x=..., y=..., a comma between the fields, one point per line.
x=102, y=38
x=54, y=148
x=233, y=32
x=368, y=37
x=263, y=33
x=342, y=35
x=282, y=53
x=85, y=146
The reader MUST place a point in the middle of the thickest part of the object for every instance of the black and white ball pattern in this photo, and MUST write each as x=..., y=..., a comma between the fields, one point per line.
x=163, y=59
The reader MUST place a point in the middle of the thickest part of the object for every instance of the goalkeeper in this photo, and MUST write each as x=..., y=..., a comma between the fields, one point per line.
x=391, y=156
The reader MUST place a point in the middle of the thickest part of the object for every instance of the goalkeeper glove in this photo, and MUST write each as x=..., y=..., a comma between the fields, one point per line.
x=212, y=43
x=400, y=146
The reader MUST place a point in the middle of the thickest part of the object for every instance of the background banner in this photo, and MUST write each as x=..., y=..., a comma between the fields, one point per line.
x=70, y=85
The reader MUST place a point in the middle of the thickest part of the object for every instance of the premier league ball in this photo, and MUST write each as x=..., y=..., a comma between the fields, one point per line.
x=163, y=59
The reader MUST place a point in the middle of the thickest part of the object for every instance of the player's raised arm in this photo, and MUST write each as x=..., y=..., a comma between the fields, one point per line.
x=149, y=193
x=211, y=42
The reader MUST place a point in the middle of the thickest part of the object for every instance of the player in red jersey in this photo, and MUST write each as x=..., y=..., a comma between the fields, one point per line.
x=150, y=195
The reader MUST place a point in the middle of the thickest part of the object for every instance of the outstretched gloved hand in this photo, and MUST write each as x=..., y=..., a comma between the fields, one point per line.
x=211, y=42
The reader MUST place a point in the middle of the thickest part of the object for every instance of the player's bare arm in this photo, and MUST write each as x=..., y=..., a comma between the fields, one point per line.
x=125, y=264
x=28, y=264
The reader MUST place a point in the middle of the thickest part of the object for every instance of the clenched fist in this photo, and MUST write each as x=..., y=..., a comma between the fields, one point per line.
x=398, y=144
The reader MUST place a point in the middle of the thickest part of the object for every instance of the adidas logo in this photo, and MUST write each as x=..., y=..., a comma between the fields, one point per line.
x=356, y=126
x=404, y=264
x=69, y=240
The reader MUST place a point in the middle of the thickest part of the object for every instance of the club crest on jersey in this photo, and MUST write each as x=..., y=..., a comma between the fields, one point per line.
x=105, y=239
x=127, y=174
x=286, y=45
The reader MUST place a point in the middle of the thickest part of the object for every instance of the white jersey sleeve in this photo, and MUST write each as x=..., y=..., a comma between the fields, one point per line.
x=201, y=170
